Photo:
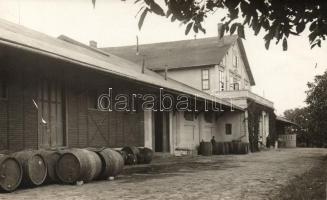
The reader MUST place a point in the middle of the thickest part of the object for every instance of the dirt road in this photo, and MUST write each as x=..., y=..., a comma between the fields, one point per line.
x=254, y=176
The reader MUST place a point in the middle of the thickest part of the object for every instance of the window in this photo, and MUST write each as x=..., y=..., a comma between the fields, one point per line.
x=205, y=79
x=189, y=116
x=235, y=61
x=221, y=80
x=231, y=84
x=246, y=84
x=3, y=90
x=236, y=85
x=208, y=117
x=228, y=129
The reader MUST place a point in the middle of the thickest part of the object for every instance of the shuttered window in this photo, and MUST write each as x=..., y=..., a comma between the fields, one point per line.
x=228, y=129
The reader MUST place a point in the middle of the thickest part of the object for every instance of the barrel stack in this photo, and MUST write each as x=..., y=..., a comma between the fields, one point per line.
x=78, y=165
x=34, y=167
x=11, y=173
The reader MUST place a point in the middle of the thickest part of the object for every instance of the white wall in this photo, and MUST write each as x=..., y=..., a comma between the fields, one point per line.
x=239, y=127
x=148, y=129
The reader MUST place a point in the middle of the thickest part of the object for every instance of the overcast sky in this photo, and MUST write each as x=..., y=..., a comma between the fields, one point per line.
x=280, y=76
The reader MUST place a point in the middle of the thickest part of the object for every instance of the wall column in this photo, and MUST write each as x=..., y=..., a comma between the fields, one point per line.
x=148, y=128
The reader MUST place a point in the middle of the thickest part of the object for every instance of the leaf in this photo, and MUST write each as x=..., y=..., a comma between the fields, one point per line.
x=202, y=29
x=188, y=28
x=233, y=28
x=156, y=8
x=93, y=2
x=141, y=20
x=267, y=44
x=221, y=31
x=240, y=31
x=285, y=44
x=195, y=28
x=300, y=27
x=173, y=18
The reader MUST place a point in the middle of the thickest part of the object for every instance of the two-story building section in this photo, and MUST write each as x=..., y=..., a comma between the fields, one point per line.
x=219, y=67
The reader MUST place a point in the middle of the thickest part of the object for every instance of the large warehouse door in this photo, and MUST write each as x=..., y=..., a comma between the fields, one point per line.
x=50, y=117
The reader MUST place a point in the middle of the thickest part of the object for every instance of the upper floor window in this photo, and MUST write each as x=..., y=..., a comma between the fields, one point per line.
x=236, y=85
x=221, y=80
x=205, y=79
x=3, y=90
x=235, y=61
x=228, y=129
x=246, y=84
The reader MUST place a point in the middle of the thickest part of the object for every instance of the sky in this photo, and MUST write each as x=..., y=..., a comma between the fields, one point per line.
x=280, y=76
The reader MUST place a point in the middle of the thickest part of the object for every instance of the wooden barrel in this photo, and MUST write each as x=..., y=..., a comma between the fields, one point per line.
x=234, y=147
x=244, y=148
x=51, y=158
x=206, y=148
x=145, y=156
x=11, y=173
x=218, y=148
x=112, y=163
x=226, y=148
x=78, y=165
x=34, y=167
x=132, y=154
x=123, y=154
x=131, y=150
x=131, y=159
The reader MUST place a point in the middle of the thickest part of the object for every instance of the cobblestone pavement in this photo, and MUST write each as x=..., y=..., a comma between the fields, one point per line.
x=253, y=176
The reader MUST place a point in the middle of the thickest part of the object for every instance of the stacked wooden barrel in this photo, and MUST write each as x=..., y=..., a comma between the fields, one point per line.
x=205, y=148
x=78, y=165
x=10, y=173
x=51, y=158
x=34, y=167
x=145, y=155
x=235, y=147
x=112, y=163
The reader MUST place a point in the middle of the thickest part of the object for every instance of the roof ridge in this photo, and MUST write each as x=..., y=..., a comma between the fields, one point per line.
x=173, y=41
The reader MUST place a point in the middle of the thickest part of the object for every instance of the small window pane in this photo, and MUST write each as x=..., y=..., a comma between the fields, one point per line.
x=205, y=84
x=205, y=74
x=228, y=128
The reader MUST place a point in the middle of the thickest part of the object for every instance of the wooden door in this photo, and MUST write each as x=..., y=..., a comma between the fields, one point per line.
x=50, y=117
x=161, y=137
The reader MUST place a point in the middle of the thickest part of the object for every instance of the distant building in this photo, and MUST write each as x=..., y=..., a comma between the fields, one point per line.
x=218, y=67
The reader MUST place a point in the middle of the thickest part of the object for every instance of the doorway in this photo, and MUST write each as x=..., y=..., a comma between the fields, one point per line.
x=161, y=132
x=50, y=114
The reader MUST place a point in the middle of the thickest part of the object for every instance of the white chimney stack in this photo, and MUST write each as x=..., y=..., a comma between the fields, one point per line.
x=93, y=44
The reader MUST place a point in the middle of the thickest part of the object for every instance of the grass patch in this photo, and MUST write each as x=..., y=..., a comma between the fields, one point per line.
x=310, y=185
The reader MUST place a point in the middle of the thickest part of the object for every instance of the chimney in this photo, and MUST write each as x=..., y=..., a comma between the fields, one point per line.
x=93, y=44
x=220, y=34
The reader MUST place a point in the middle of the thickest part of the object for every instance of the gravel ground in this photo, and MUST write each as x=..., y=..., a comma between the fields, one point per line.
x=254, y=176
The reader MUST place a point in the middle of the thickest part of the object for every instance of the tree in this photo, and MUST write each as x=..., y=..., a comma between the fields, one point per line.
x=317, y=105
x=300, y=116
x=279, y=19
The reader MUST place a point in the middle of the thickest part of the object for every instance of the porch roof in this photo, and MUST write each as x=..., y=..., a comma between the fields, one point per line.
x=285, y=121
x=20, y=37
